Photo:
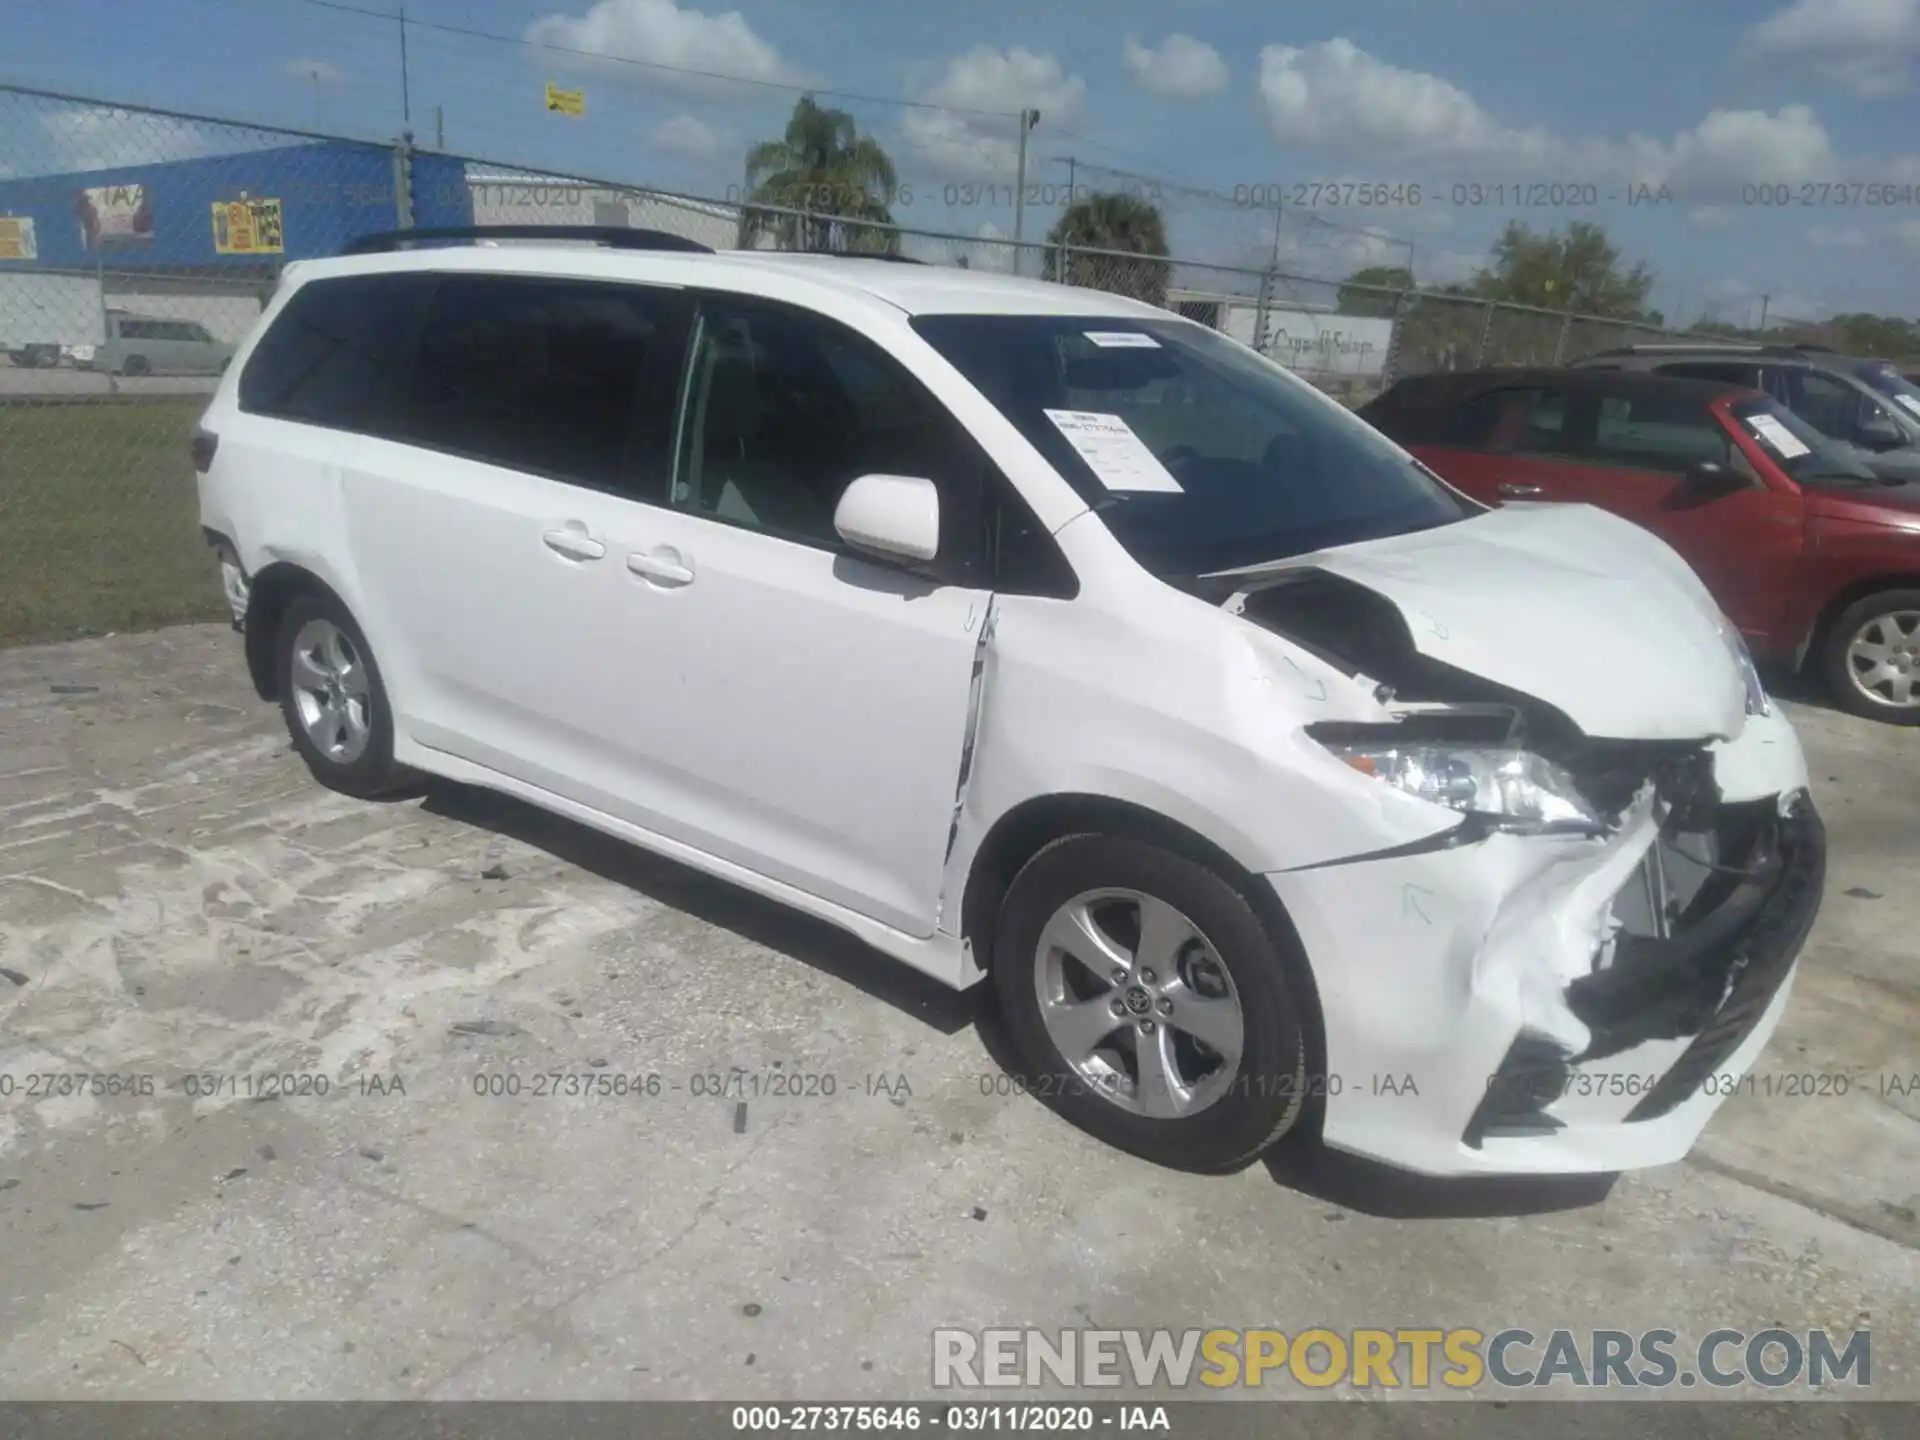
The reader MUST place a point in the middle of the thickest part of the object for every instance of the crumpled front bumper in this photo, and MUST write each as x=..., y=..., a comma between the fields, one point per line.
x=1486, y=1012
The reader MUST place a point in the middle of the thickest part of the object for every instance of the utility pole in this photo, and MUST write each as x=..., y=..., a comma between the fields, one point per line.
x=1028, y=119
x=406, y=93
x=439, y=127
x=1764, y=301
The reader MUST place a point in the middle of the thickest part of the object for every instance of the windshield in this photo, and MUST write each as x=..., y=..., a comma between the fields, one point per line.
x=1808, y=456
x=1197, y=454
x=1896, y=387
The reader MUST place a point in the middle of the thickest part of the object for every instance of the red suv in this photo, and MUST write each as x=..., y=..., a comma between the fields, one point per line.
x=1816, y=561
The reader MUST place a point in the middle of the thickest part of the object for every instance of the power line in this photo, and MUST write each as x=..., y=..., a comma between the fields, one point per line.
x=472, y=33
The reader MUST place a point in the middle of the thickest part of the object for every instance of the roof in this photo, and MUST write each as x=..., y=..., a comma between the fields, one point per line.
x=912, y=288
x=1640, y=355
x=1459, y=382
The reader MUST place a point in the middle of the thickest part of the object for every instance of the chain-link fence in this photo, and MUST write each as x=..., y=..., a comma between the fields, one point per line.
x=138, y=247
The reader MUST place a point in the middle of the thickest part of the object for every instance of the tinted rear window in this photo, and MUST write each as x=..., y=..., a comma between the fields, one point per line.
x=337, y=353
x=534, y=374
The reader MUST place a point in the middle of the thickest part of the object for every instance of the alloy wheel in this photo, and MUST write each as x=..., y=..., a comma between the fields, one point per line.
x=1139, y=1002
x=1883, y=659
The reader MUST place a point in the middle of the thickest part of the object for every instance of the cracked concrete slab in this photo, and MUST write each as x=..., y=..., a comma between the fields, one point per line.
x=321, y=1159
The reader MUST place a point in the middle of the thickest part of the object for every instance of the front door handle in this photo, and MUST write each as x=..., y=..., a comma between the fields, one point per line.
x=665, y=567
x=574, y=543
x=1515, y=491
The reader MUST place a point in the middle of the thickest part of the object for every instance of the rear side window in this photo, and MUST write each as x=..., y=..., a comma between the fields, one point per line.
x=538, y=375
x=337, y=353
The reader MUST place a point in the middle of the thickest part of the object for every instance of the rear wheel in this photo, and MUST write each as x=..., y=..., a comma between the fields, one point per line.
x=1149, y=1004
x=1872, y=657
x=136, y=365
x=333, y=699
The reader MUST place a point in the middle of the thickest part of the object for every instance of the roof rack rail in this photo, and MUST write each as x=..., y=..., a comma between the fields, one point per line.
x=855, y=255
x=616, y=237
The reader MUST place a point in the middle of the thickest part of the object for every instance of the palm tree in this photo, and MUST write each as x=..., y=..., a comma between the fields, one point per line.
x=821, y=186
x=1111, y=221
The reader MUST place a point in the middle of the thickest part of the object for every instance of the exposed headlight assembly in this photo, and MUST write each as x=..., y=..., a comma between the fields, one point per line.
x=1516, y=789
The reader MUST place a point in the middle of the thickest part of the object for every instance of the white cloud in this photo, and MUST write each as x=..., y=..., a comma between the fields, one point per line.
x=1865, y=46
x=316, y=72
x=1180, y=68
x=1908, y=233
x=696, y=46
x=689, y=138
x=1337, y=98
x=962, y=147
x=1713, y=217
x=1850, y=237
x=1734, y=147
x=99, y=138
x=961, y=143
x=1008, y=81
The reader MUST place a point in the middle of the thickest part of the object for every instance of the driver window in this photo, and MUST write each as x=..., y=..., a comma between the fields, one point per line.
x=784, y=409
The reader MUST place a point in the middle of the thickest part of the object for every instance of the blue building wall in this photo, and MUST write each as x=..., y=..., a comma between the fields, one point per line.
x=329, y=192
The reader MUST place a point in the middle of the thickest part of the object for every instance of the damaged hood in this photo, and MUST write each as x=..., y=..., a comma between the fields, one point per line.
x=1567, y=603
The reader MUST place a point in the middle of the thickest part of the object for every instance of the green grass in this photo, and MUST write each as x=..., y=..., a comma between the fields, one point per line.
x=99, y=522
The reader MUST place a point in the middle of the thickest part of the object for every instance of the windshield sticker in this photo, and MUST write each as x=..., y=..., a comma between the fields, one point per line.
x=1121, y=339
x=1909, y=403
x=1783, y=440
x=1113, y=452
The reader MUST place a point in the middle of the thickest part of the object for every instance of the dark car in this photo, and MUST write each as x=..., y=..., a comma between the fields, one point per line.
x=1868, y=405
x=1812, y=556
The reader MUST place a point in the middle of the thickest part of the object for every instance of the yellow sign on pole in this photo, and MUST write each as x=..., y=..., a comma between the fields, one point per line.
x=248, y=227
x=566, y=102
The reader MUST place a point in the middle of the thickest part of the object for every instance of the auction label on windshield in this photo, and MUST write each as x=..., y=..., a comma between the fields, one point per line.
x=1122, y=339
x=1113, y=452
x=1778, y=436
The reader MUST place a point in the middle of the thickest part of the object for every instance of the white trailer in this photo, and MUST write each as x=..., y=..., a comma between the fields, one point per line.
x=44, y=314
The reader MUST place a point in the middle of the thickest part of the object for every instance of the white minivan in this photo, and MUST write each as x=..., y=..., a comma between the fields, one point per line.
x=155, y=345
x=1038, y=636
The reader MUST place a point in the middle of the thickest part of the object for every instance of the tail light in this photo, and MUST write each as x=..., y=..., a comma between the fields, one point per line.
x=205, y=442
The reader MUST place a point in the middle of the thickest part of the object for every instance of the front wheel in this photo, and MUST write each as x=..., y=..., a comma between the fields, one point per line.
x=1872, y=657
x=1149, y=1004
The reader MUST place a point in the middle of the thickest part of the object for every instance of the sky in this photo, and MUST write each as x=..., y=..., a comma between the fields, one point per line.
x=1741, y=148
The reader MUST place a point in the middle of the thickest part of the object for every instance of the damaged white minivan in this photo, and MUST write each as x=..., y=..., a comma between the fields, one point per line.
x=1038, y=636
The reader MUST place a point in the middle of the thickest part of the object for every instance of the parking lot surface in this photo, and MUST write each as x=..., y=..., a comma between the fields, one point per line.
x=340, y=1177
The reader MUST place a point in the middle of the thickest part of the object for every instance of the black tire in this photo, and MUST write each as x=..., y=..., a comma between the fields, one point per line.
x=1836, y=669
x=1265, y=1097
x=136, y=365
x=372, y=772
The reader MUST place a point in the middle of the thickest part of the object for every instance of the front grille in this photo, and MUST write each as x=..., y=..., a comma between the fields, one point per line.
x=1759, y=958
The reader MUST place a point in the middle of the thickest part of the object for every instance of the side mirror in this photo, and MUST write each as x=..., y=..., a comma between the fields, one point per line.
x=896, y=517
x=1709, y=480
x=1878, y=432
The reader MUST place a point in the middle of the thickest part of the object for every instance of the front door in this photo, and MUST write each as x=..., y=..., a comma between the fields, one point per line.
x=812, y=705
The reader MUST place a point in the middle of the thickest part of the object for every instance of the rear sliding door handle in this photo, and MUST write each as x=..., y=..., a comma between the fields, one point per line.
x=574, y=544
